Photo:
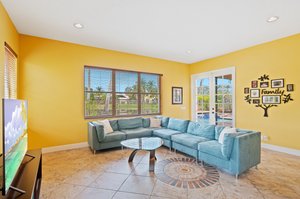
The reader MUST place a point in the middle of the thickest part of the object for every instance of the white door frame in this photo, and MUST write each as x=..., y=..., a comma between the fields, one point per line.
x=194, y=77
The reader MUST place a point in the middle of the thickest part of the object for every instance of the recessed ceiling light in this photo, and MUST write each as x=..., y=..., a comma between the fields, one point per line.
x=78, y=25
x=272, y=19
x=189, y=51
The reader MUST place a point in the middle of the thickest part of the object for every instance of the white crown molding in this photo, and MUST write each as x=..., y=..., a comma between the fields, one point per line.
x=281, y=149
x=64, y=147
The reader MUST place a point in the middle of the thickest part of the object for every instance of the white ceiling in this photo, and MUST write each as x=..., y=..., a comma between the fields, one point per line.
x=164, y=29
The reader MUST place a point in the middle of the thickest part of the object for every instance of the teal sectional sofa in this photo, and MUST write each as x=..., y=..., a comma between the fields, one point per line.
x=238, y=153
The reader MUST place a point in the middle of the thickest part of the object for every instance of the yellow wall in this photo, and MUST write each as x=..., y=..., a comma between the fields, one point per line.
x=279, y=59
x=8, y=34
x=51, y=78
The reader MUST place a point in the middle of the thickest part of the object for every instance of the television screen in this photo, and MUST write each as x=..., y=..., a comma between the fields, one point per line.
x=14, y=139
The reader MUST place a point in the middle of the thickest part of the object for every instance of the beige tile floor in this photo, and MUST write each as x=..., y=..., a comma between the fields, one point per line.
x=81, y=175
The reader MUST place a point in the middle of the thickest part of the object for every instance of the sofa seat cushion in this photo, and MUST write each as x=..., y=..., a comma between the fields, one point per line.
x=114, y=136
x=213, y=148
x=165, y=133
x=188, y=140
x=137, y=133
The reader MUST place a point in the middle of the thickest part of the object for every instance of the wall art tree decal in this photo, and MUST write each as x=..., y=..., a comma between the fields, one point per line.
x=266, y=94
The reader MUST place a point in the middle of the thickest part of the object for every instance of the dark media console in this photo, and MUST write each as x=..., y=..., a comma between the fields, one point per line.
x=28, y=178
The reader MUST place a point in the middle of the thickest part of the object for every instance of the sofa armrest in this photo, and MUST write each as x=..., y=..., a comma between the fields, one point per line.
x=246, y=151
x=95, y=134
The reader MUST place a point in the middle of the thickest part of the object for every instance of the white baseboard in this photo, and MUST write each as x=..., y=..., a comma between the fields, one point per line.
x=64, y=147
x=85, y=144
x=281, y=149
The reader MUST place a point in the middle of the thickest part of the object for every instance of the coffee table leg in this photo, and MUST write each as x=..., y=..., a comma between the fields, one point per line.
x=152, y=160
x=132, y=155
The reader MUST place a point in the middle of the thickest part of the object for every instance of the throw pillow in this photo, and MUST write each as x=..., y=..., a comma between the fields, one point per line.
x=155, y=122
x=106, y=126
x=226, y=130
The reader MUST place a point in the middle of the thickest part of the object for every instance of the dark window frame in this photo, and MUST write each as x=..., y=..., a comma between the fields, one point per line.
x=114, y=92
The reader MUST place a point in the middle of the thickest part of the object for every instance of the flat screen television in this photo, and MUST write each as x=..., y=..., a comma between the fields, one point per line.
x=14, y=139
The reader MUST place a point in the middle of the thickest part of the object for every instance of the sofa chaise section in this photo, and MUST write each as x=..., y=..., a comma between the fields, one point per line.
x=98, y=141
x=238, y=153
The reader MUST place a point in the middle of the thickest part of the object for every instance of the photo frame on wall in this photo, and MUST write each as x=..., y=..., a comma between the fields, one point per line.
x=254, y=84
x=254, y=93
x=264, y=84
x=277, y=83
x=177, y=95
x=246, y=90
x=290, y=87
x=271, y=99
x=256, y=101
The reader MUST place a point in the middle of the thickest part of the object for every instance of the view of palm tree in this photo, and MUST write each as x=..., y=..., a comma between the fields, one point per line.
x=99, y=93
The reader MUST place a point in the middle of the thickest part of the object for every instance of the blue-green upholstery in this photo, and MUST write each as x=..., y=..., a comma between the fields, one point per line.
x=206, y=131
x=178, y=124
x=114, y=124
x=238, y=153
x=164, y=121
x=188, y=140
x=137, y=133
x=165, y=133
x=218, y=131
x=131, y=123
x=108, y=141
x=185, y=149
x=212, y=147
x=146, y=122
x=115, y=136
x=227, y=145
x=244, y=154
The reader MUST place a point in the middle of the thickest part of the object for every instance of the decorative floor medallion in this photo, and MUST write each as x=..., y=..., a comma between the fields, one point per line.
x=186, y=173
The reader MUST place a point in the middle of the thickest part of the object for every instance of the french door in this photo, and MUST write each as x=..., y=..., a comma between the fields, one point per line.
x=213, y=97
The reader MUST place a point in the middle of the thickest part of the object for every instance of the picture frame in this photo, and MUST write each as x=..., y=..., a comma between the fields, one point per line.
x=290, y=87
x=254, y=84
x=271, y=99
x=264, y=84
x=256, y=101
x=277, y=83
x=254, y=93
x=246, y=90
x=177, y=95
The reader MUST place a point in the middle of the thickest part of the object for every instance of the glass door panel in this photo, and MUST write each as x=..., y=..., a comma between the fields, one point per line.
x=213, y=101
x=223, y=96
x=203, y=100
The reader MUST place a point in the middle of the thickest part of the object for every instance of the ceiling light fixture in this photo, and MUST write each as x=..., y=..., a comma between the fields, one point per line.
x=189, y=51
x=78, y=25
x=272, y=19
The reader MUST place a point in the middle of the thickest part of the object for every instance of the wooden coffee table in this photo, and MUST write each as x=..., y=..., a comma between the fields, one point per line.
x=147, y=144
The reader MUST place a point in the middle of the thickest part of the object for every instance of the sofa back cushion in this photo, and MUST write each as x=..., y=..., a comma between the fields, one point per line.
x=227, y=145
x=218, y=130
x=114, y=124
x=131, y=123
x=202, y=130
x=164, y=121
x=146, y=122
x=178, y=124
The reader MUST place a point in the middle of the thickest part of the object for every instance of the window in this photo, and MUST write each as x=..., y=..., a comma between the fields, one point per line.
x=10, y=73
x=116, y=93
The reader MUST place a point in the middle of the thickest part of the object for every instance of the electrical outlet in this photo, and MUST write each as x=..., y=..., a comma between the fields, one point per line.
x=264, y=138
